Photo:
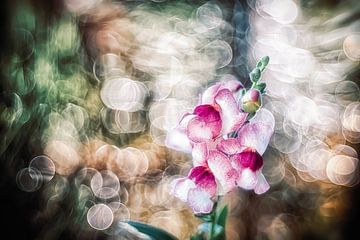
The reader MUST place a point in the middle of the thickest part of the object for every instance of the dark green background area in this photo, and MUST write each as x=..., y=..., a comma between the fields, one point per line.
x=19, y=143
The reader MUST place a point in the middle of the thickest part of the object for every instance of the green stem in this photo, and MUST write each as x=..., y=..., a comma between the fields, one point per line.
x=253, y=85
x=213, y=217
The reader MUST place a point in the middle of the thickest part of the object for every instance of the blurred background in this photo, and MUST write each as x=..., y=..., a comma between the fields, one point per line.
x=90, y=88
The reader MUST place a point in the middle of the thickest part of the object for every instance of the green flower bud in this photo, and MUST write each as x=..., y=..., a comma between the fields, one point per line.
x=255, y=75
x=263, y=63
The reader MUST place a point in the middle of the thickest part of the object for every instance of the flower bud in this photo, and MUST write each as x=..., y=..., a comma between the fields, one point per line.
x=263, y=63
x=255, y=75
x=251, y=101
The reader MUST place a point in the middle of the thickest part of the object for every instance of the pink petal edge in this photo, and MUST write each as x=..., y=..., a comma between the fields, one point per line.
x=255, y=135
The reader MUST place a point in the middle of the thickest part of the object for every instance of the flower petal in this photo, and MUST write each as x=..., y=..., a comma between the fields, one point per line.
x=220, y=166
x=247, y=159
x=232, y=85
x=200, y=201
x=180, y=188
x=248, y=179
x=206, y=125
x=262, y=185
x=185, y=119
x=199, y=154
x=265, y=116
x=229, y=146
x=178, y=140
x=208, y=113
x=255, y=135
x=198, y=131
x=209, y=94
x=204, y=179
x=232, y=117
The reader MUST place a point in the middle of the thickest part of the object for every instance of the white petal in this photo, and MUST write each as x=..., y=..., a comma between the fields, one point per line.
x=185, y=119
x=247, y=179
x=180, y=188
x=209, y=94
x=255, y=135
x=200, y=201
x=178, y=140
x=262, y=185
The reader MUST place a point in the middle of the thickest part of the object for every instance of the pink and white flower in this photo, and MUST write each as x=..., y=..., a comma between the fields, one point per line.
x=216, y=114
x=220, y=164
x=212, y=173
x=245, y=154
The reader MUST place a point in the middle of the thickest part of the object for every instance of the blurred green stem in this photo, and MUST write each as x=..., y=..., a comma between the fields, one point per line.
x=213, y=217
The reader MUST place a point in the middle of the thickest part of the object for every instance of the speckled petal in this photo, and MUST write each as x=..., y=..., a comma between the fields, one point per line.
x=232, y=117
x=229, y=146
x=255, y=135
x=221, y=167
x=206, y=125
x=204, y=179
x=180, y=188
x=200, y=201
x=247, y=179
x=199, y=154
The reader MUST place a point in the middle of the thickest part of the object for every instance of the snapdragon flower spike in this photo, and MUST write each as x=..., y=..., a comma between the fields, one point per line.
x=245, y=154
x=216, y=114
x=211, y=175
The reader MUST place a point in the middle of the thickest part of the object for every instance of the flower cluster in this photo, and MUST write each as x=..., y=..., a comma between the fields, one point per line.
x=226, y=143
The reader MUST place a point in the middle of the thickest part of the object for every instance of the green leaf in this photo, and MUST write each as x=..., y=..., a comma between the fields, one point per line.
x=219, y=235
x=153, y=232
x=198, y=237
x=255, y=75
x=222, y=216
